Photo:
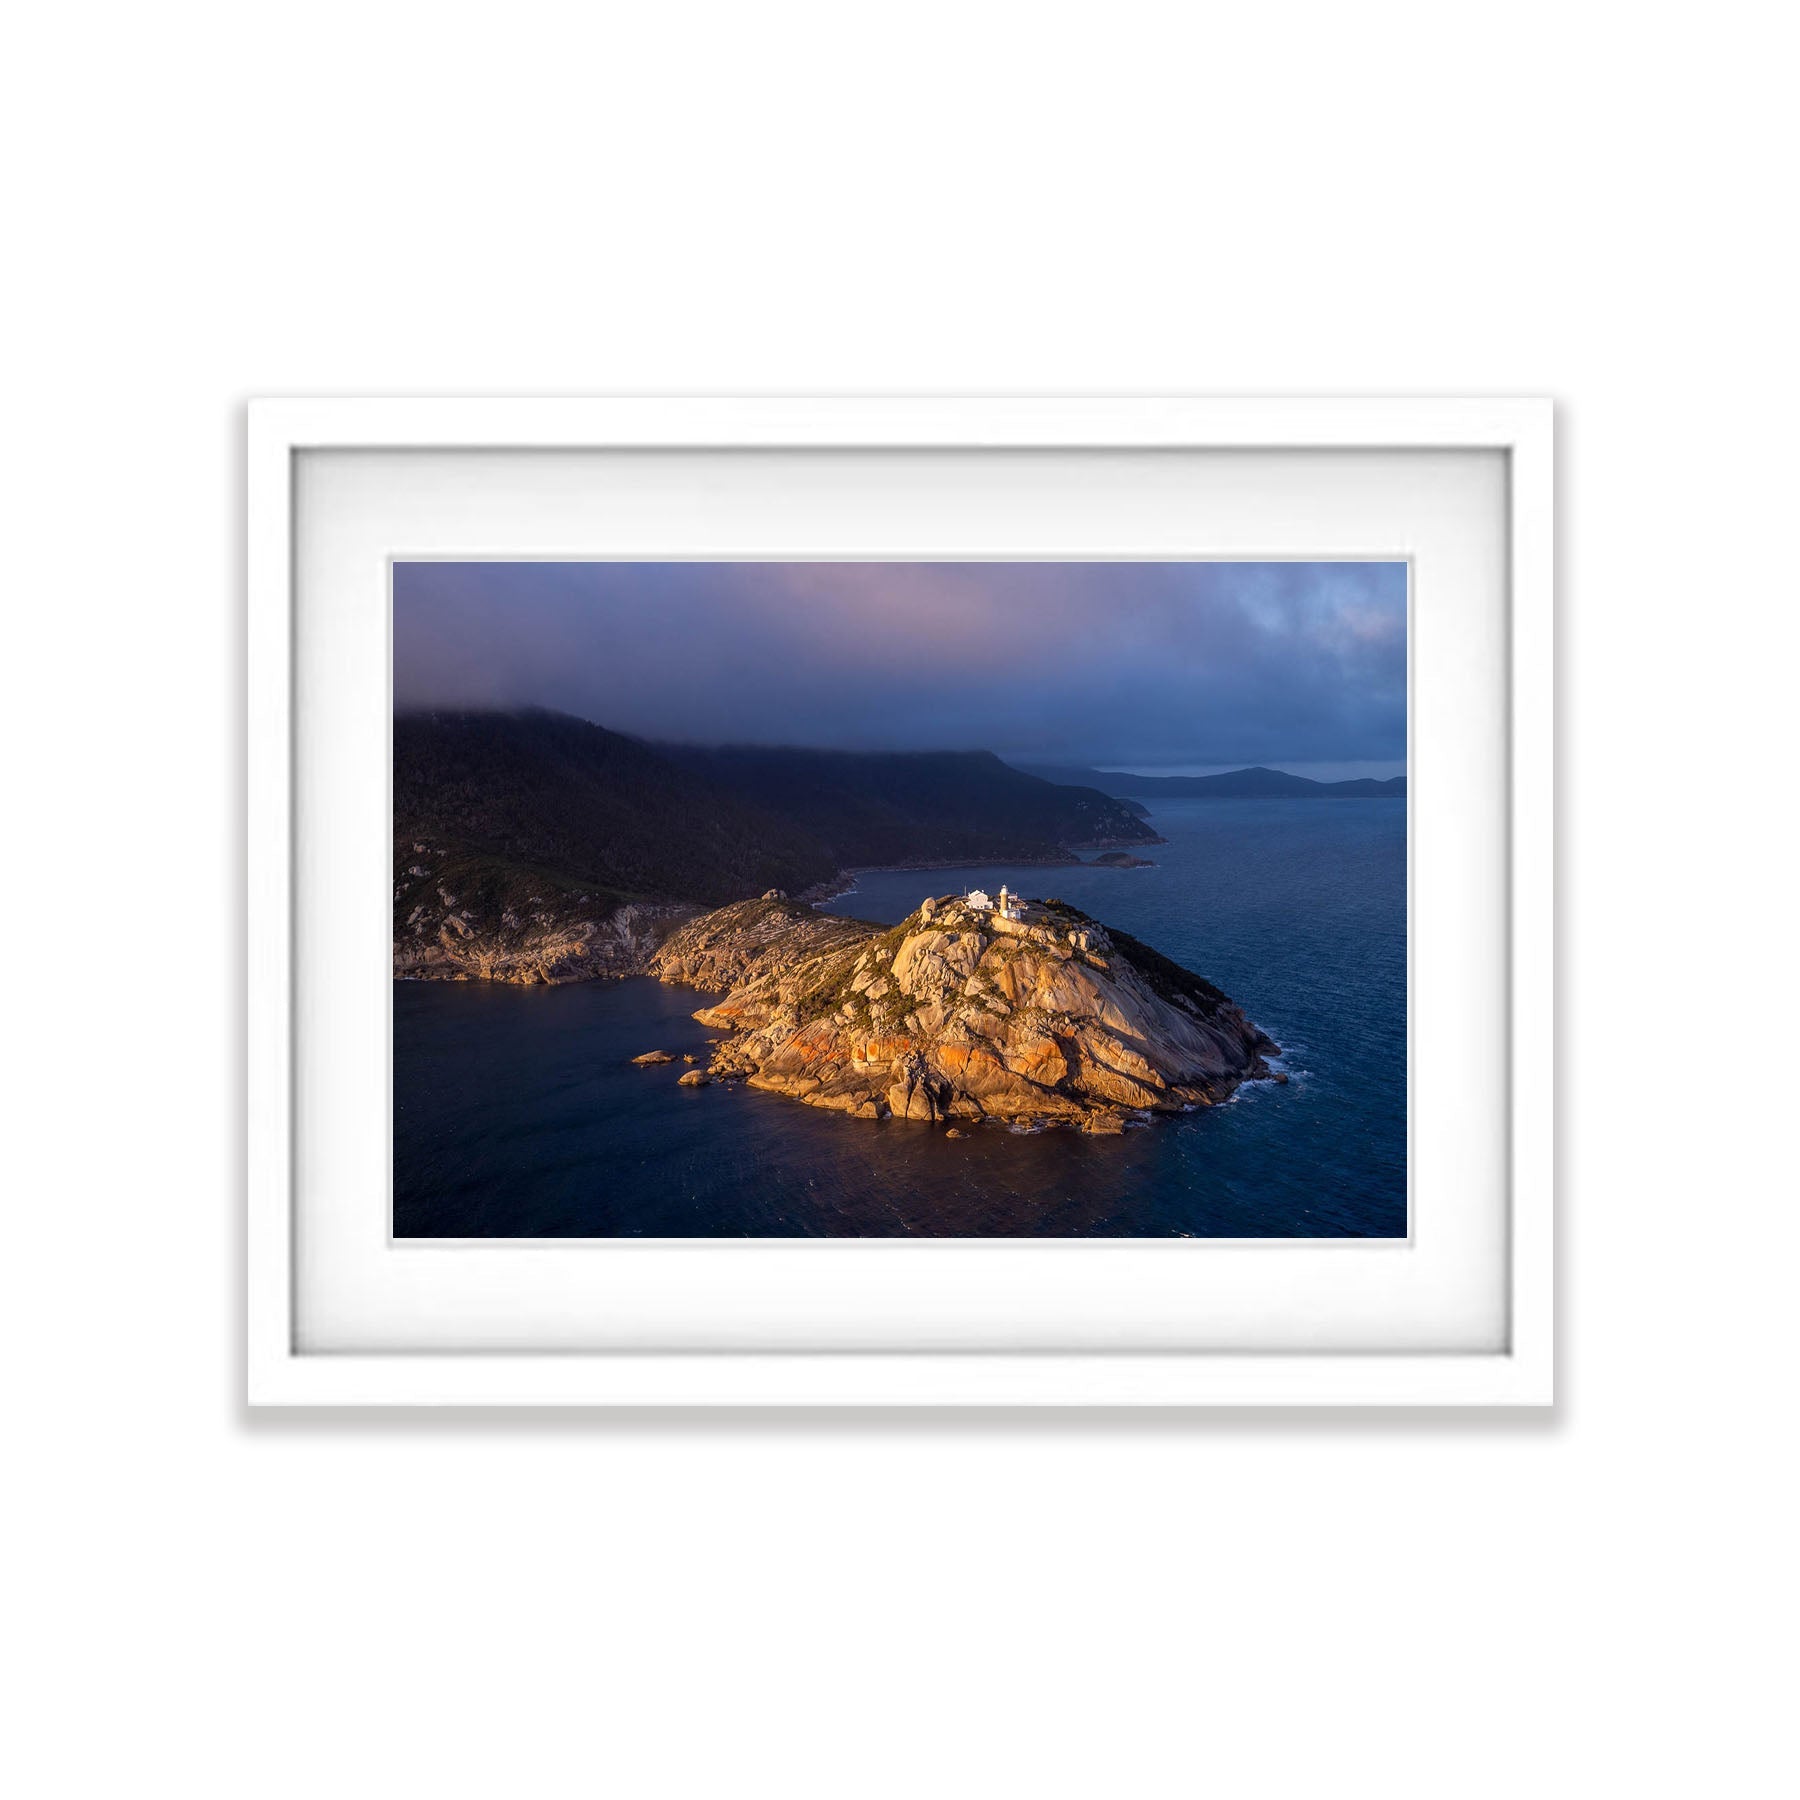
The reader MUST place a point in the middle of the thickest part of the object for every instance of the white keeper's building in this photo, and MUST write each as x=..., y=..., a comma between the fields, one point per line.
x=1007, y=906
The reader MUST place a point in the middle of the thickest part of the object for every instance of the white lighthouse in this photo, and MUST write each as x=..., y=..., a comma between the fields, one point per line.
x=1007, y=905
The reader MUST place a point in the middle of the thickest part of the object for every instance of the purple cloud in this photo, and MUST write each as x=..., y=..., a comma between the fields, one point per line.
x=1121, y=664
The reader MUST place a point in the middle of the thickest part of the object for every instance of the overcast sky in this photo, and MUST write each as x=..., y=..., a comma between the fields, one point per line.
x=1145, y=666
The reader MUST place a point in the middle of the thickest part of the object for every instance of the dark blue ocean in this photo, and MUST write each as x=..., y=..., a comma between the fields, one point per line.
x=517, y=1112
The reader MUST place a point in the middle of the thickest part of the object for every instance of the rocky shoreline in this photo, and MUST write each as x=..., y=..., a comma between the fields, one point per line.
x=957, y=1016
x=555, y=952
x=558, y=939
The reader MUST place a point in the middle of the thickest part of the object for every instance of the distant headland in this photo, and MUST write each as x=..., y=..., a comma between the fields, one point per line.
x=1232, y=784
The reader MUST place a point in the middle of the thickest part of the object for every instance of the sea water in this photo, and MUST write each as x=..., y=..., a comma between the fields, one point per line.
x=518, y=1112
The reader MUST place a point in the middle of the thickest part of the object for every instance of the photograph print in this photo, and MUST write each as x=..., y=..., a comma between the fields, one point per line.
x=960, y=900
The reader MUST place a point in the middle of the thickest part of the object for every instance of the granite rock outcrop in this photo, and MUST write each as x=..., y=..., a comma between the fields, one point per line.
x=958, y=1014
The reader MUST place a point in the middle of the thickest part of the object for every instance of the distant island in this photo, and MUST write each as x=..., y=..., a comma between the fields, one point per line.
x=1234, y=784
x=1023, y=1013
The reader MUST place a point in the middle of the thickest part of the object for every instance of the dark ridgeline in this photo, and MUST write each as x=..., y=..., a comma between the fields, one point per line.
x=880, y=809
x=1234, y=784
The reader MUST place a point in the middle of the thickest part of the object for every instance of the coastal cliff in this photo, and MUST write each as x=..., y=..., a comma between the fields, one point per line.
x=463, y=918
x=959, y=1015
x=536, y=848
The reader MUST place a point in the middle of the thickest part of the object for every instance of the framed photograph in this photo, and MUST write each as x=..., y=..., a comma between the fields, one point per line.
x=901, y=902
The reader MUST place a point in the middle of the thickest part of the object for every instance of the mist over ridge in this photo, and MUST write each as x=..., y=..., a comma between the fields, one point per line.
x=1139, y=665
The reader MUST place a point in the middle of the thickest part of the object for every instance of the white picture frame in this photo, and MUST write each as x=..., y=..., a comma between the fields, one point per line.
x=1517, y=1370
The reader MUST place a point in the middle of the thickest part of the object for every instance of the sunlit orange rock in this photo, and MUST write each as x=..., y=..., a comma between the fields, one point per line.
x=1042, y=1018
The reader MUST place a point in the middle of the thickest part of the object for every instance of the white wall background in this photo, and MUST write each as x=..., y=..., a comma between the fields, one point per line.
x=212, y=201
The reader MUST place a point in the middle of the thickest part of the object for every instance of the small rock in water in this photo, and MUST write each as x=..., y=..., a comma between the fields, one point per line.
x=653, y=1056
x=689, y=1059
x=955, y=1132
x=694, y=1078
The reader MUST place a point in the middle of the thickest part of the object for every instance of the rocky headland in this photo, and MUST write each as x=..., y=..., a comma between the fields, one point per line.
x=957, y=1015
x=455, y=926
